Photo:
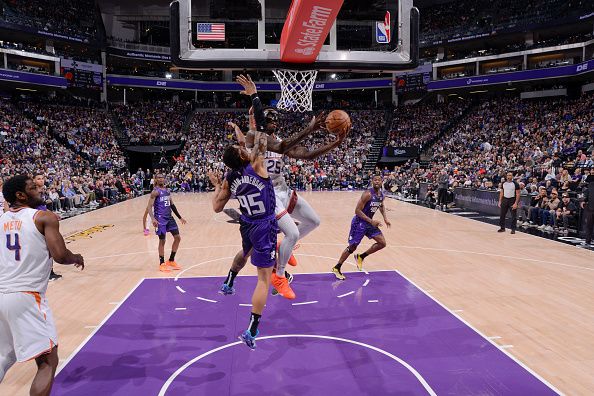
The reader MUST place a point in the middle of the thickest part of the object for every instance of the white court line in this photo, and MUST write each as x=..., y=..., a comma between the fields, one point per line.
x=206, y=299
x=372, y=301
x=204, y=262
x=494, y=338
x=305, y=303
x=482, y=335
x=458, y=310
x=346, y=294
x=248, y=275
x=506, y=346
x=366, y=283
x=90, y=327
x=245, y=305
x=180, y=309
x=77, y=350
x=410, y=368
x=114, y=303
x=391, y=246
x=180, y=289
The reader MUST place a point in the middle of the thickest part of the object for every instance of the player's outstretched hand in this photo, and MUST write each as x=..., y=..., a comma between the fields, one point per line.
x=183, y=221
x=232, y=125
x=249, y=88
x=79, y=261
x=388, y=224
x=215, y=178
x=155, y=223
x=319, y=121
x=376, y=223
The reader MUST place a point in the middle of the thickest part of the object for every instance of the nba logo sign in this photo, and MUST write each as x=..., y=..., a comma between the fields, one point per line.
x=382, y=30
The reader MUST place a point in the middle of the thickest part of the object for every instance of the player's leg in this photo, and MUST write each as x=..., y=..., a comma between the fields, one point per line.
x=380, y=243
x=176, y=240
x=291, y=236
x=337, y=269
x=46, y=370
x=7, y=352
x=307, y=216
x=162, y=266
x=239, y=262
x=263, y=239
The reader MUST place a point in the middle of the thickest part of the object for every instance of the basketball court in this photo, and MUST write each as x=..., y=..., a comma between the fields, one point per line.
x=449, y=307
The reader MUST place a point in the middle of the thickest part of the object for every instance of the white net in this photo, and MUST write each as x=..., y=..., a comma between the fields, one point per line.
x=296, y=89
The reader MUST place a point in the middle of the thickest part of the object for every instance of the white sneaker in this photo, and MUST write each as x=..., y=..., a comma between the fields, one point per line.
x=525, y=224
x=548, y=229
x=542, y=227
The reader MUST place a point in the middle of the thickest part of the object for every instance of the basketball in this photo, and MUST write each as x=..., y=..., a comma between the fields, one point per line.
x=338, y=122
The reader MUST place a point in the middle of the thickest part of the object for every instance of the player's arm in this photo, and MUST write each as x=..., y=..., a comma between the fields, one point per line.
x=49, y=226
x=257, y=154
x=149, y=209
x=174, y=210
x=249, y=89
x=365, y=197
x=239, y=135
x=284, y=146
x=222, y=193
x=301, y=152
x=383, y=210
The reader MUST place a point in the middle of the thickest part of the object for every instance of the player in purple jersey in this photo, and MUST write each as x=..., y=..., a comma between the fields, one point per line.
x=364, y=225
x=162, y=206
x=39, y=181
x=249, y=182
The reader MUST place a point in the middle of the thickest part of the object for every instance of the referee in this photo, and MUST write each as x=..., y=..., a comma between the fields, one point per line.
x=509, y=198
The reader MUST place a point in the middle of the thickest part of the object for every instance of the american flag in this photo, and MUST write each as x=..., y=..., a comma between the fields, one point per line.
x=211, y=31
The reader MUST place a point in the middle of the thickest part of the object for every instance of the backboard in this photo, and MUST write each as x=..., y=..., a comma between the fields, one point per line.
x=221, y=35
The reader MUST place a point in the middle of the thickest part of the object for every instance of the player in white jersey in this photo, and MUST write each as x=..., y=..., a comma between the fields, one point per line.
x=31, y=240
x=289, y=205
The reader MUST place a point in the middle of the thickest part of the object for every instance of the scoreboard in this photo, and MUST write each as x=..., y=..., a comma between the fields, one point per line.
x=413, y=81
x=82, y=74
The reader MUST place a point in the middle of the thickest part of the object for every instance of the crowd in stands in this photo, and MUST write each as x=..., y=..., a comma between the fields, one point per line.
x=418, y=125
x=457, y=19
x=73, y=182
x=547, y=144
x=67, y=17
x=155, y=122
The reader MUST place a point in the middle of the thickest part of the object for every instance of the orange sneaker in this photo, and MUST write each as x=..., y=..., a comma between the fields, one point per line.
x=163, y=268
x=281, y=284
x=173, y=265
x=292, y=260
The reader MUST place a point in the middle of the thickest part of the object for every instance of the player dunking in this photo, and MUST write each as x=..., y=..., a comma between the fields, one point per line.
x=162, y=205
x=33, y=239
x=288, y=204
x=364, y=225
x=250, y=183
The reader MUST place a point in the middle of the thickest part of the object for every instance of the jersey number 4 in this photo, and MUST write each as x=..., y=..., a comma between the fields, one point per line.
x=249, y=203
x=16, y=246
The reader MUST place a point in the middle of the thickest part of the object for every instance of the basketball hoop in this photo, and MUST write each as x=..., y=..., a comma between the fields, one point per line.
x=296, y=89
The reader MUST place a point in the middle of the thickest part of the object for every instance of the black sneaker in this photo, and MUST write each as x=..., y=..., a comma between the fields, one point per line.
x=501, y=230
x=54, y=276
x=513, y=231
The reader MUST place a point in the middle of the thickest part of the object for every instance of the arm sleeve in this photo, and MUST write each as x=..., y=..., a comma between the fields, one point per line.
x=258, y=112
x=174, y=210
